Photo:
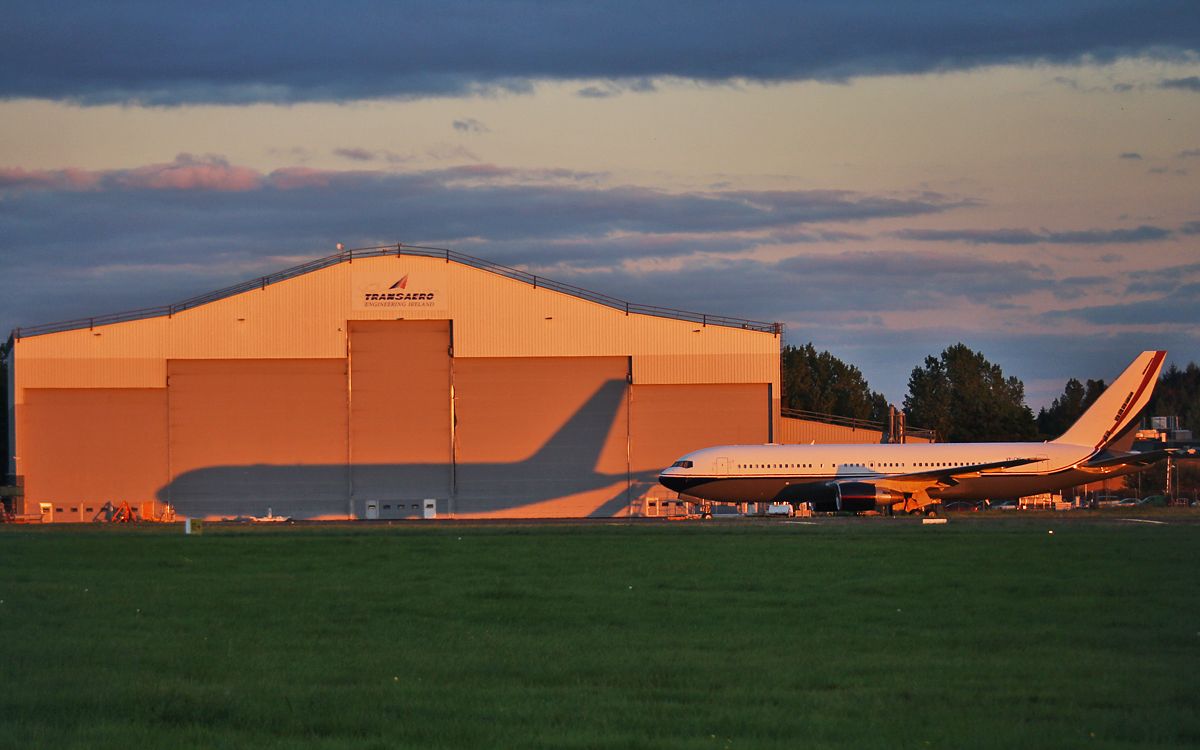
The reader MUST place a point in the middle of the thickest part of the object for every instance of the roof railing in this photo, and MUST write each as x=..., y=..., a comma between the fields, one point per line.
x=348, y=256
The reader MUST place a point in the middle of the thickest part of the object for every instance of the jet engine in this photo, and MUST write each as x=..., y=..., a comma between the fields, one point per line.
x=856, y=497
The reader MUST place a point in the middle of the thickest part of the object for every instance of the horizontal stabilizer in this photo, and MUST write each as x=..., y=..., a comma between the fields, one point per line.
x=1140, y=458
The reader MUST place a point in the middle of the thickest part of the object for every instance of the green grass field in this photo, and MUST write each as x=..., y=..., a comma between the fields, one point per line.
x=849, y=633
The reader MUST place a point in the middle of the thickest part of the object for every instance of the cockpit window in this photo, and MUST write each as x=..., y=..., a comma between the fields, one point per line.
x=682, y=465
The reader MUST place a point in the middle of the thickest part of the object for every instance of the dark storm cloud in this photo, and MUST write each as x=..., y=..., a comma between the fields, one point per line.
x=1143, y=233
x=236, y=52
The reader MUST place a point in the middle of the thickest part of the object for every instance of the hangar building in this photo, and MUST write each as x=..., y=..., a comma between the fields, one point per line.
x=363, y=384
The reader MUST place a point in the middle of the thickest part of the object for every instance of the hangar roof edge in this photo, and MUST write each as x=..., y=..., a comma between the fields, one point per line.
x=349, y=255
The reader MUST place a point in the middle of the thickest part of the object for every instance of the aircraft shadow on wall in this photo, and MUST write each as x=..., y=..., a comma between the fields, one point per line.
x=564, y=465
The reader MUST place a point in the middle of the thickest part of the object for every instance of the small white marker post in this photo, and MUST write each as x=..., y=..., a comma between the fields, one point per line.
x=187, y=526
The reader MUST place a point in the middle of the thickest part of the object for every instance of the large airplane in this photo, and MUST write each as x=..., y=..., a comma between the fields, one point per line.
x=914, y=477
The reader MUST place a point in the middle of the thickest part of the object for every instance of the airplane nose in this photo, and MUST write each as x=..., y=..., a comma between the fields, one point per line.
x=673, y=482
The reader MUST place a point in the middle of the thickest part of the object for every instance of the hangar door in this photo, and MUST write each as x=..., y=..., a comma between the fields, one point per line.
x=399, y=415
x=82, y=447
x=248, y=435
x=667, y=421
x=540, y=436
x=670, y=420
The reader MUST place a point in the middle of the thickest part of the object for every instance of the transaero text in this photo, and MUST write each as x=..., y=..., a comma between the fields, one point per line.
x=399, y=299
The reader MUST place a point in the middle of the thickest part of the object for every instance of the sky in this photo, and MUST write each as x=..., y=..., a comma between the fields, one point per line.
x=886, y=179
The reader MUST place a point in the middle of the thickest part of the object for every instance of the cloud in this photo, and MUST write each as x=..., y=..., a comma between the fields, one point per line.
x=355, y=154
x=826, y=289
x=509, y=203
x=1161, y=280
x=367, y=155
x=1191, y=83
x=206, y=211
x=613, y=88
x=1133, y=155
x=1190, y=153
x=1167, y=298
x=597, y=92
x=1142, y=233
x=16, y=178
x=1075, y=85
x=165, y=53
x=1180, y=307
x=189, y=172
x=470, y=125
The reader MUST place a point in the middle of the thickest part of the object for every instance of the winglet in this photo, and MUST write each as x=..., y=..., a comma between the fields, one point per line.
x=1119, y=405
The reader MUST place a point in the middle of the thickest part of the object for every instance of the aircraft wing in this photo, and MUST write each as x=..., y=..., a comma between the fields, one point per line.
x=946, y=477
x=916, y=486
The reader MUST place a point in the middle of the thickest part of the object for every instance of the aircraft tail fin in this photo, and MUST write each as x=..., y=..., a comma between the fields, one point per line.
x=1119, y=405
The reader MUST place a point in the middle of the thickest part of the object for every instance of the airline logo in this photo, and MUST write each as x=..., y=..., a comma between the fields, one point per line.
x=397, y=295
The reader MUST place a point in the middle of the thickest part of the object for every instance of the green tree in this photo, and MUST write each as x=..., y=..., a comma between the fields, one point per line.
x=1178, y=395
x=819, y=381
x=1062, y=413
x=966, y=398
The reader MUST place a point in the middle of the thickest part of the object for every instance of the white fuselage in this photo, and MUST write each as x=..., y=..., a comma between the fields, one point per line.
x=757, y=473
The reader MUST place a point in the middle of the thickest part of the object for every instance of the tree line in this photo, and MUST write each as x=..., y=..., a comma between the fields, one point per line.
x=964, y=397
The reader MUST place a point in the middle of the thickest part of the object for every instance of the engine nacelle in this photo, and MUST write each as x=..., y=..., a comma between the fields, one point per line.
x=856, y=497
